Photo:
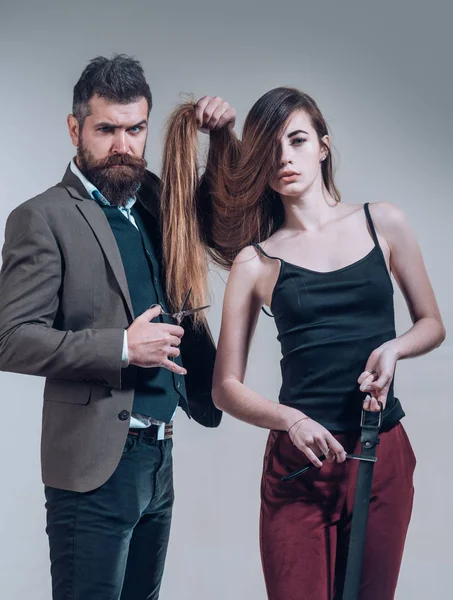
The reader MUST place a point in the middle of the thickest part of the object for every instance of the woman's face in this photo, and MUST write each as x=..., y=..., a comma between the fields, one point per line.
x=300, y=157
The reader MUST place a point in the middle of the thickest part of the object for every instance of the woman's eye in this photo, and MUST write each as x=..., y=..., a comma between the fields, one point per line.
x=298, y=141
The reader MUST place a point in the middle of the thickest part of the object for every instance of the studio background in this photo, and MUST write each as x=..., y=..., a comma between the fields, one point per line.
x=381, y=74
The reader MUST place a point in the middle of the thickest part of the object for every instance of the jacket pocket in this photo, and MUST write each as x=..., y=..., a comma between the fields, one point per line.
x=64, y=390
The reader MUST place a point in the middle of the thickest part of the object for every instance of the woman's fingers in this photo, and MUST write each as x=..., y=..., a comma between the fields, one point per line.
x=377, y=386
x=312, y=456
x=366, y=403
x=314, y=440
x=373, y=404
x=363, y=376
x=336, y=448
x=323, y=446
x=382, y=382
x=366, y=385
x=370, y=403
x=382, y=397
x=366, y=378
x=367, y=373
x=329, y=446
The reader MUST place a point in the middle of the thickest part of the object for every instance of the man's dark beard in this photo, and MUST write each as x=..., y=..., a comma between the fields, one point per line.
x=116, y=183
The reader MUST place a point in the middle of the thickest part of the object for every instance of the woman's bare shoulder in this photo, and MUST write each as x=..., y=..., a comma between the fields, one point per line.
x=247, y=261
x=388, y=217
x=253, y=268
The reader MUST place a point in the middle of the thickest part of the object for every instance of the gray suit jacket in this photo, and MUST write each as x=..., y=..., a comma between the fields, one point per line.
x=64, y=305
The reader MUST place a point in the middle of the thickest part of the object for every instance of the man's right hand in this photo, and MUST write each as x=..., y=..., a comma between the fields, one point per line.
x=151, y=344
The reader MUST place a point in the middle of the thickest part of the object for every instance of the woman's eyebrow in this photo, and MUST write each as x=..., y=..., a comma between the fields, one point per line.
x=296, y=132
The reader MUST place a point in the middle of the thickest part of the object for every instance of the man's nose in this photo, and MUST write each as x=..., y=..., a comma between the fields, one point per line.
x=120, y=145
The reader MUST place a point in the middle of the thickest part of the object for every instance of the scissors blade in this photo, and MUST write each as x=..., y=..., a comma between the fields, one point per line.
x=360, y=457
x=192, y=311
x=186, y=300
x=186, y=313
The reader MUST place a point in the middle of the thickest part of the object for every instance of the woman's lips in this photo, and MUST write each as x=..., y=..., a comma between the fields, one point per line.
x=289, y=178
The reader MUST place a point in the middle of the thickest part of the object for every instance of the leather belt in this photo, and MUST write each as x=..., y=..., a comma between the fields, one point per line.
x=152, y=431
x=369, y=437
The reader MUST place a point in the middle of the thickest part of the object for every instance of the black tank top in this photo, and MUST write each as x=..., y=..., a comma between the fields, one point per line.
x=328, y=324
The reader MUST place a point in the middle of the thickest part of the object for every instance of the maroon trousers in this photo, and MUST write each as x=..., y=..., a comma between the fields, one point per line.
x=305, y=524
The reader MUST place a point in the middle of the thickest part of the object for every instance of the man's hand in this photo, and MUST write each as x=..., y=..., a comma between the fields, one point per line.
x=152, y=344
x=214, y=113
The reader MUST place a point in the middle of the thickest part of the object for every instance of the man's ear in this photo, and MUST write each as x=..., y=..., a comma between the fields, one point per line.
x=74, y=129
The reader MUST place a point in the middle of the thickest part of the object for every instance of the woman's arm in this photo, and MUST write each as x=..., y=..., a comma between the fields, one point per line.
x=408, y=268
x=241, y=308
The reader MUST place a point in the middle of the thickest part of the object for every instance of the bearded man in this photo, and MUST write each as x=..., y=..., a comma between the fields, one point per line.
x=82, y=265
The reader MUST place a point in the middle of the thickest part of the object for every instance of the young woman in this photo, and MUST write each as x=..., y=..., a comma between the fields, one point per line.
x=323, y=268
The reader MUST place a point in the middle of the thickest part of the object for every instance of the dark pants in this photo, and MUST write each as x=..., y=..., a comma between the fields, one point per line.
x=111, y=543
x=305, y=524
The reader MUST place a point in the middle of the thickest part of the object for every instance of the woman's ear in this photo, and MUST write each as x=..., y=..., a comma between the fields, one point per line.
x=325, y=148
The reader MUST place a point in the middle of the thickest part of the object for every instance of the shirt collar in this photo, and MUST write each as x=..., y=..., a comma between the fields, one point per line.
x=94, y=192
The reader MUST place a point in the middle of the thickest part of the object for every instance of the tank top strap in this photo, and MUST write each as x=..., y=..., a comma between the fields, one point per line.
x=366, y=206
x=258, y=247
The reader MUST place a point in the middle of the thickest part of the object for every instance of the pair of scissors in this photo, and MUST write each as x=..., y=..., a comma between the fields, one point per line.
x=181, y=314
x=323, y=457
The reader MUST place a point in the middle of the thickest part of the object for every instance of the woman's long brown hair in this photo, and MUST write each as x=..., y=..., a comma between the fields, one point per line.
x=234, y=206
x=184, y=252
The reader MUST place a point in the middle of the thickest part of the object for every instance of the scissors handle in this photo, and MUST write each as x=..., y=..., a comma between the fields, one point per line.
x=179, y=316
x=303, y=470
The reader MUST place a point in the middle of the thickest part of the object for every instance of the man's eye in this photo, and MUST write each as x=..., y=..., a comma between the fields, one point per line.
x=105, y=129
x=136, y=129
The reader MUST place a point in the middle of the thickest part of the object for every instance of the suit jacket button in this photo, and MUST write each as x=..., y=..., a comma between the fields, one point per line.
x=124, y=415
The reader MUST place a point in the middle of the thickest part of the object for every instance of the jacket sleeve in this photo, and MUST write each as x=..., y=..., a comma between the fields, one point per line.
x=198, y=356
x=30, y=283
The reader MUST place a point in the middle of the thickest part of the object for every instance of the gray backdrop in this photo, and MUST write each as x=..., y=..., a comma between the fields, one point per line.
x=381, y=73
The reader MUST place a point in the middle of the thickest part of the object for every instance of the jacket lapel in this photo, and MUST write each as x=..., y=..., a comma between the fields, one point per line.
x=100, y=226
x=98, y=223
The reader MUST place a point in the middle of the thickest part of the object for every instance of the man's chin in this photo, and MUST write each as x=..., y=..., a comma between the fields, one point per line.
x=119, y=191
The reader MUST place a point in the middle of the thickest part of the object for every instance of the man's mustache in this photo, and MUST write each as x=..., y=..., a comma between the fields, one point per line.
x=125, y=160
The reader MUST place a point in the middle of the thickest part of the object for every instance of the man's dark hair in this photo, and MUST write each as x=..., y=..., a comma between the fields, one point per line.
x=120, y=79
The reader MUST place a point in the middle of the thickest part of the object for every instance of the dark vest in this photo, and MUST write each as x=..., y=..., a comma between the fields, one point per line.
x=158, y=391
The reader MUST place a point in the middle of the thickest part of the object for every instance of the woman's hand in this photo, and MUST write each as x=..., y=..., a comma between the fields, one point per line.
x=313, y=439
x=378, y=376
x=213, y=113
